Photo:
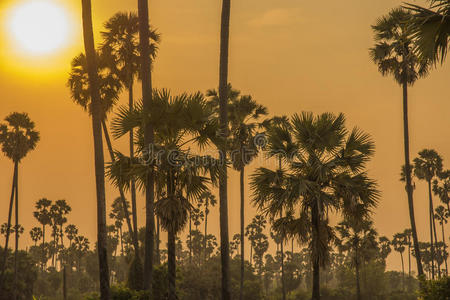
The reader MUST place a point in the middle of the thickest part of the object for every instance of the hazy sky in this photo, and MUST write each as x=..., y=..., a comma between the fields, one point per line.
x=290, y=55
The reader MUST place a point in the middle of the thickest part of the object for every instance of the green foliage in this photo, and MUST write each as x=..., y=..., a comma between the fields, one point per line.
x=136, y=274
x=435, y=289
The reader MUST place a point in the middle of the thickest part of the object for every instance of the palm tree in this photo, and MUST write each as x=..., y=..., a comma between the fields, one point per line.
x=121, y=43
x=178, y=121
x=223, y=116
x=441, y=214
x=36, y=234
x=408, y=235
x=97, y=116
x=441, y=187
x=110, y=87
x=398, y=242
x=71, y=232
x=426, y=167
x=17, y=137
x=432, y=29
x=146, y=74
x=324, y=171
x=394, y=55
x=208, y=200
x=354, y=233
x=243, y=116
x=42, y=214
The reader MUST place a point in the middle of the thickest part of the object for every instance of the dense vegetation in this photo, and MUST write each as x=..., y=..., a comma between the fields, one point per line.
x=317, y=195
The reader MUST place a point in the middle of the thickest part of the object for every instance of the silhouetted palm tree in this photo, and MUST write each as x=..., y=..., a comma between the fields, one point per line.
x=17, y=137
x=42, y=214
x=426, y=167
x=399, y=241
x=208, y=200
x=442, y=214
x=97, y=116
x=431, y=27
x=121, y=42
x=223, y=117
x=324, y=170
x=394, y=55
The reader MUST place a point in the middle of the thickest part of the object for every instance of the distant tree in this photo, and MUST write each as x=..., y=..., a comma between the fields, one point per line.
x=398, y=242
x=441, y=215
x=42, y=214
x=426, y=167
x=208, y=200
x=71, y=232
x=36, y=235
x=17, y=138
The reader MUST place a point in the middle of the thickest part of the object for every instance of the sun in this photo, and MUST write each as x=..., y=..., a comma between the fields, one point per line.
x=39, y=27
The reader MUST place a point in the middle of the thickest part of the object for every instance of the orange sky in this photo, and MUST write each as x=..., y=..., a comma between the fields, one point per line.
x=290, y=55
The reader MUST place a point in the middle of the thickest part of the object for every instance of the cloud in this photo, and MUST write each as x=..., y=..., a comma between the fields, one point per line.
x=276, y=17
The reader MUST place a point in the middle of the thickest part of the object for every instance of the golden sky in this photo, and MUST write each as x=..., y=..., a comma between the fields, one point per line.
x=291, y=55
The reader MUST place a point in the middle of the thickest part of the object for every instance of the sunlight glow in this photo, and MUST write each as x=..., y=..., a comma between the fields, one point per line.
x=39, y=27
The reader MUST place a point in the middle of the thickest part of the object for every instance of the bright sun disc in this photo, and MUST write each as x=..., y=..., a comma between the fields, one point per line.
x=39, y=27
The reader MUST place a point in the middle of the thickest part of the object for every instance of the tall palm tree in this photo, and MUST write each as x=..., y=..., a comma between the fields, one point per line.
x=442, y=214
x=146, y=75
x=244, y=115
x=178, y=121
x=121, y=42
x=394, y=55
x=223, y=116
x=325, y=170
x=110, y=87
x=431, y=28
x=97, y=116
x=408, y=235
x=17, y=137
x=36, y=234
x=426, y=167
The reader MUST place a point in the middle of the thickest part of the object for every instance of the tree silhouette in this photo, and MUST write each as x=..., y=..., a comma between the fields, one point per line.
x=394, y=55
x=17, y=137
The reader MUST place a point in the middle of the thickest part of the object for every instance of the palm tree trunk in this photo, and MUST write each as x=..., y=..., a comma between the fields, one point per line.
x=433, y=223
x=131, y=230
x=408, y=179
x=445, y=247
x=315, y=256
x=409, y=258
x=241, y=287
x=283, y=284
x=8, y=232
x=133, y=183
x=16, y=231
x=403, y=272
x=171, y=264
x=97, y=116
x=158, y=253
x=190, y=237
x=430, y=215
x=223, y=180
x=206, y=228
x=148, y=140
x=358, y=287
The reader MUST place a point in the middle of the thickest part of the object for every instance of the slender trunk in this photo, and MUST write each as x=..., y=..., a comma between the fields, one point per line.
x=148, y=140
x=190, y=237
x=283, y=284
x=8, y=232
x=241, y=289
x=131, y=144
x=409, y=257
x=315, y=247
x=445, y=247
x=408, y=180
x=358, y=287
x=121, y=241
x=434, y=224
x=223, y=180
x=131, y=230
x=430, y=215
x=97, y=116
x=158, y=253
x=403, y=272
x=16, y=231
x=206, y=228
x=64, y=283
x=171, y=264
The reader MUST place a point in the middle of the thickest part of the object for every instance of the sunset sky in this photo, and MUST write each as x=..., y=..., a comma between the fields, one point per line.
x=290, y=55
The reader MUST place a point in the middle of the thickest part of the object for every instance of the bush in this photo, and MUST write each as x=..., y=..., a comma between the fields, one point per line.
x=435, y=289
